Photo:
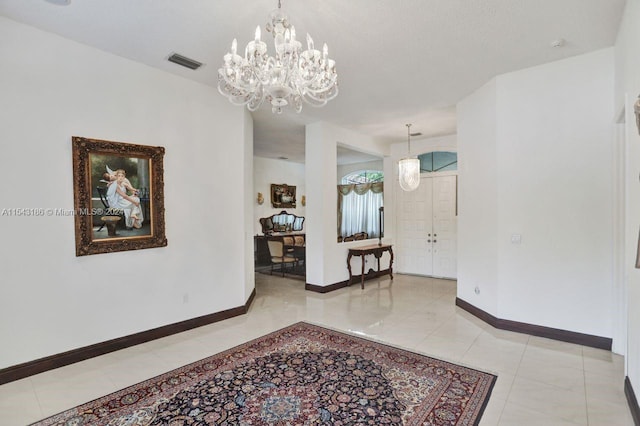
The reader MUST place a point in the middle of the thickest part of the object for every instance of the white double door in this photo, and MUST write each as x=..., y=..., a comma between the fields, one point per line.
x=427, y=228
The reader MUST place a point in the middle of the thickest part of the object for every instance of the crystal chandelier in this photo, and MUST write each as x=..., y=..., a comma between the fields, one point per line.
x=409, y=168
x=288, y=78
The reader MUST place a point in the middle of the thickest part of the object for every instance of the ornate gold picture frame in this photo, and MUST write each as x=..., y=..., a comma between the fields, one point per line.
x=283, y=196
x=118, y=192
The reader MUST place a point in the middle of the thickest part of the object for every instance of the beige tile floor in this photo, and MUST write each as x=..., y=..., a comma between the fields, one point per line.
x=540, y=381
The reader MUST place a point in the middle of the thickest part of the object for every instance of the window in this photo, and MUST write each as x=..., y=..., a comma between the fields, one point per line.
x=438, y=161
x=363, y=176
x=359, y=200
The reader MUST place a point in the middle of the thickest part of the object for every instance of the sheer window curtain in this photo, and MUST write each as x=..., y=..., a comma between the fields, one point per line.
x=358, y=207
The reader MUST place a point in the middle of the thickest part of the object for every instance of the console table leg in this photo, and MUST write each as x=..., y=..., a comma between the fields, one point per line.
x=362, y=276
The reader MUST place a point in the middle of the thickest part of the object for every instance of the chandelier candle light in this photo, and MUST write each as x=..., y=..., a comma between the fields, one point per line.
x=288, y=78
x=409, y=168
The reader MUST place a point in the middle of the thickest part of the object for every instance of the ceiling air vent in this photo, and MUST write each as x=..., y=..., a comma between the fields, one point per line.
x=184, y=61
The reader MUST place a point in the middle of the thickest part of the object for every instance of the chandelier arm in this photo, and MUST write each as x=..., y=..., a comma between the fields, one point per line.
x=231, y=86
x=237, y=94
x=323, y=95
x=316, y=101
x=311, y=87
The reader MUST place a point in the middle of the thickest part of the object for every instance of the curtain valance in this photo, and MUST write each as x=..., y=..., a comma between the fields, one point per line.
x=361, y=188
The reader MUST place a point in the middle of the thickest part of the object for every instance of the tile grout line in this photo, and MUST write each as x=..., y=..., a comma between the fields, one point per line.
x=35, y=393
x=584, y=384
x=515, y=376
x=496, y=373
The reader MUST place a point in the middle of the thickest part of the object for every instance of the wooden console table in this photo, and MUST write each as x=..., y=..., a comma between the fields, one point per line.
x=375, y=250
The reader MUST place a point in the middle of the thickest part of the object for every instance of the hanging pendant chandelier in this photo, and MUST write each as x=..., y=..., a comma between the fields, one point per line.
x=409, y=168
x=288, y=78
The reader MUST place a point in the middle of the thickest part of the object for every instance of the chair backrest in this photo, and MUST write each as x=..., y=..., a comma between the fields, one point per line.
x=102, y=192
x=276, y=248
x=287, y=241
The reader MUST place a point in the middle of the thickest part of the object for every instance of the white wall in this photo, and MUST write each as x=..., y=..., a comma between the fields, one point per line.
x=325, y=257
x=52, y=301
x=267, y=171
x=247, y=207
x=627, y=90
x=478, y=199
x=547, y=177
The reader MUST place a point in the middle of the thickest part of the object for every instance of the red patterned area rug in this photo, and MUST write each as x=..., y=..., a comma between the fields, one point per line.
x=300, y=375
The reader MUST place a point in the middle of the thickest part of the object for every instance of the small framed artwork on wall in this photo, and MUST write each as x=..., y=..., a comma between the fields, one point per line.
x=283, y=196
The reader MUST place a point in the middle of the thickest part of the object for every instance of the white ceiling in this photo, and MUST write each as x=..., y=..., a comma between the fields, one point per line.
x=398, y=61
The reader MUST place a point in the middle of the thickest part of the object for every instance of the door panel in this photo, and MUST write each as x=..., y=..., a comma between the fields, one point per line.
x=427, y=228
x=444, y=226
x=413, y=252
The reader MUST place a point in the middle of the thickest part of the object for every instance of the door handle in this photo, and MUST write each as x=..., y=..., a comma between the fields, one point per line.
x=435, y=241
x=428, y=241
